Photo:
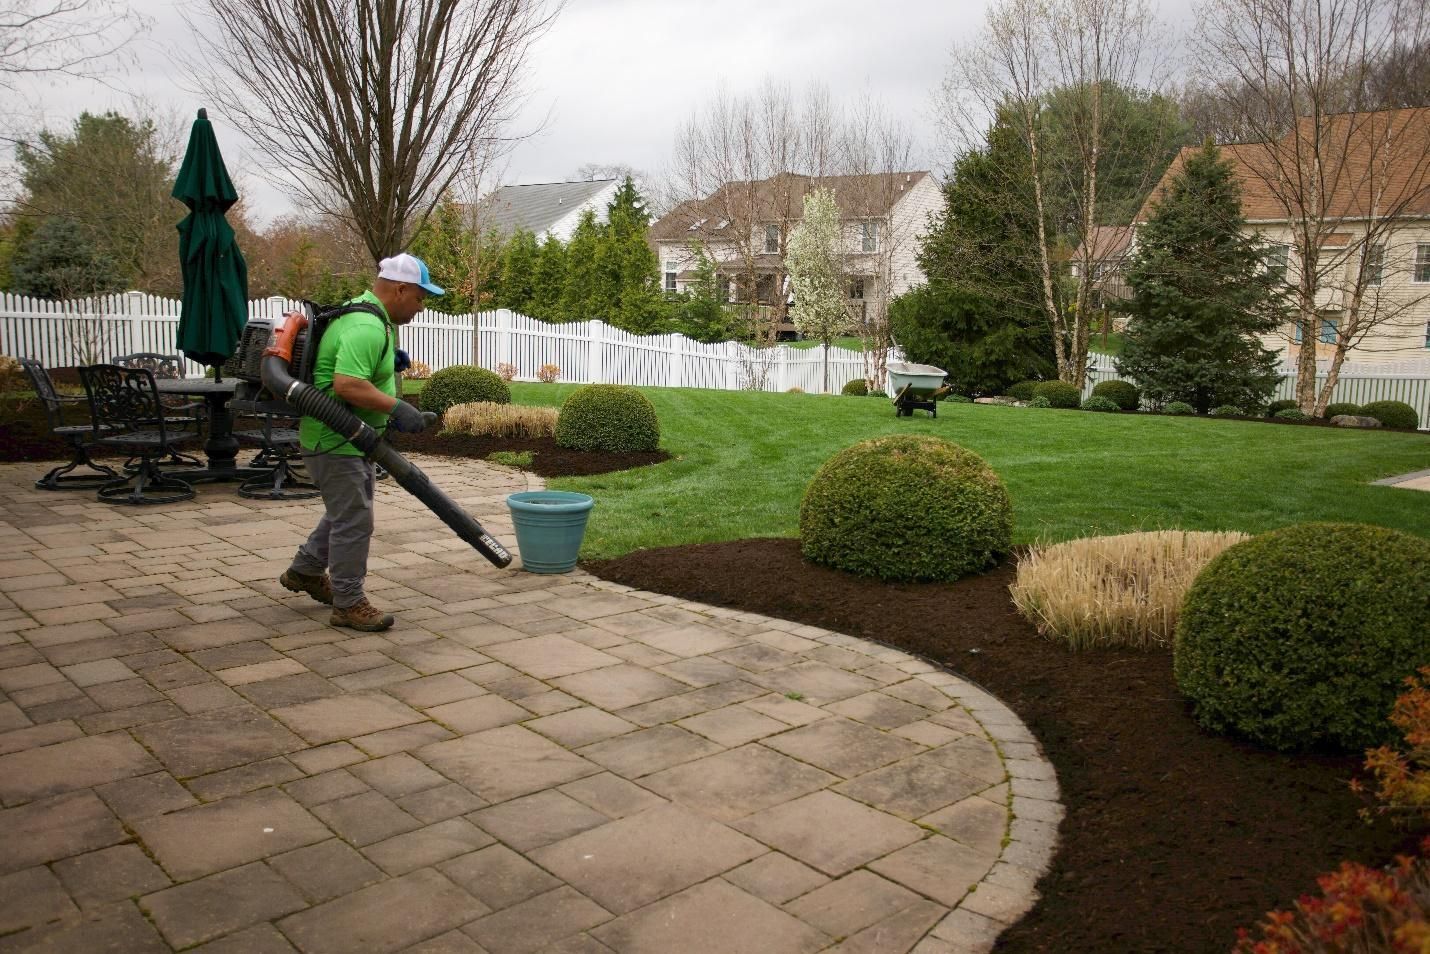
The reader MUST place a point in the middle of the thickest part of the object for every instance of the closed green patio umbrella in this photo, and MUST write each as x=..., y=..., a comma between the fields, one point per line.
x=215, y=306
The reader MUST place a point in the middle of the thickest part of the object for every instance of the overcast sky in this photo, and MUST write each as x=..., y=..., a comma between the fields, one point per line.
x=614, y=79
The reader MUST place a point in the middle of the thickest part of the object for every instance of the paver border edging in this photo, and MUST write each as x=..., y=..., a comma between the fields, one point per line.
x=1008, y=891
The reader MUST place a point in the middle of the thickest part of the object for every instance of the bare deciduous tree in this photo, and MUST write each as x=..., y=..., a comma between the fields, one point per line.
x=370, y=108
x=1345, y=178
x=739, y=178
x=62, y=37
x=1053, y=68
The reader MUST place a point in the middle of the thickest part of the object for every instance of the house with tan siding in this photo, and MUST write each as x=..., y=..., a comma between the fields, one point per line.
x=1372, y=274
x=744, y=227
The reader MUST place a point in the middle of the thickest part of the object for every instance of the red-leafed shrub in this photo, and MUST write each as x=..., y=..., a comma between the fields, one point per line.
x=1402, y=775
x=1359, y=910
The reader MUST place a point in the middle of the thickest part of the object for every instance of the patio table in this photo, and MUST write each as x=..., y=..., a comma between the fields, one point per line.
x=221, y=448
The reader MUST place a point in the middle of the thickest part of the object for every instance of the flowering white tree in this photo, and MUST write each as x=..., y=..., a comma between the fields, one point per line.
x=816, y=269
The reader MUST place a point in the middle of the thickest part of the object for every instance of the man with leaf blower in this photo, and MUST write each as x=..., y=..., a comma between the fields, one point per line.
x=358, y=363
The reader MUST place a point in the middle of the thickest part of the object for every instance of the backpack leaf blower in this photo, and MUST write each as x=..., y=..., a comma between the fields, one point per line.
x=274, y=368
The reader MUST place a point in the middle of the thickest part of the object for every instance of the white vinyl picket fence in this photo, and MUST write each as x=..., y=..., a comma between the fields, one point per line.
x=1358, y=382
x=61, y=334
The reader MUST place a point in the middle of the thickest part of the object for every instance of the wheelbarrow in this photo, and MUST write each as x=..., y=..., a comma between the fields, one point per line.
x=915, y=387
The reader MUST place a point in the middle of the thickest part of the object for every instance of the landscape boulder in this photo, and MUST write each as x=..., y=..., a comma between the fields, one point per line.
x=1354, y=420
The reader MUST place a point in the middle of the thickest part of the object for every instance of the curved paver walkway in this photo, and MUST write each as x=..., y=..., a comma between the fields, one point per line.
x=189, y=755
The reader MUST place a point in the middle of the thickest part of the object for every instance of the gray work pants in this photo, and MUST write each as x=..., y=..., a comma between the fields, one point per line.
x=339, y=543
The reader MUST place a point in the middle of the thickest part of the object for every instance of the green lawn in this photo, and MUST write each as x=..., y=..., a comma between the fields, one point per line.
x=1112, y=346
x=742, y=459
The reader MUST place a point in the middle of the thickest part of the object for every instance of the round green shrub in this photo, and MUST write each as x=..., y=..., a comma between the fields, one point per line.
x=906, y=507
x=1122, y=393
x=607, y=417
x=1040, y=401
x=1023, y=390
x=1277, y=406
x=957, y=399
x=1179, y=409
x=1337, y=408
x=1059, y=393
x=1392, y=414
x=1227, y=410
x=857, y=388
x=1292, y=414
x=463, y=384
x=1099, y=403
x=1300, y=638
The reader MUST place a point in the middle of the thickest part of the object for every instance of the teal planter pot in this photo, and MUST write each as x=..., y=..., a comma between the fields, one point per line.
x=549, y=527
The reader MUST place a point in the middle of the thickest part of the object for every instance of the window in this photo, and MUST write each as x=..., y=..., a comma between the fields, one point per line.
x=1422, y=263
x=669, y=277
x=856, y=289
x=772, y=240
x=1374, y=264
x=722, y=287
x=869, y=237
x=1427, y=334
x=1277, y=257
x=1330, y=331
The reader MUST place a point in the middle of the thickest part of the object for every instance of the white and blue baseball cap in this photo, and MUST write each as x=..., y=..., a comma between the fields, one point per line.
x=410, y=269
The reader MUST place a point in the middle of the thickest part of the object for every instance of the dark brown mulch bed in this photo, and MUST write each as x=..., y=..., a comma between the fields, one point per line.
x=25, y=433
x=1173, y=837
x=547, y=460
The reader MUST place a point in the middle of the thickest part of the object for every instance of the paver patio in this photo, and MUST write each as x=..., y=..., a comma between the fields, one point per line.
x=191, y=758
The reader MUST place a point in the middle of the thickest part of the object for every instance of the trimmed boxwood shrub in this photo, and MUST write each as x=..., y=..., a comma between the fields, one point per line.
x=1040, y=401
x=1392, y=414
x=1300, y=638
x=1023, y=390
x=1227, y=410
x=1179, y=409
x=1276, y=407
x=906, y=507
x=463, y=384
x=1292, y=414
x=1099, y=403
x=856, y=388
x=1337, y=408
x=957, y=399
x=608, y=417
x=1059, y=393
x=1122, y=393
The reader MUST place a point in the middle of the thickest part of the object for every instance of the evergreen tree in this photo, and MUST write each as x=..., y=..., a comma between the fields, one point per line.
x=1200, y=296
x=588, y=291
x=448, y=247
x=630, y=264
x=550, y=281
x=58, y=261
x=518, y=272
x=700, y=311
x=979, y=316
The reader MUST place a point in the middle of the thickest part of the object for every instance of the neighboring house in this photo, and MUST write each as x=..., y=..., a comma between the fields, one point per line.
x=1377, y=174
x=1106, y=252
x=547, y=208
x=744, y=228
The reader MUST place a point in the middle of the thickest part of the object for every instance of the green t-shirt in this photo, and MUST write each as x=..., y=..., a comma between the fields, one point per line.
x=358, y=345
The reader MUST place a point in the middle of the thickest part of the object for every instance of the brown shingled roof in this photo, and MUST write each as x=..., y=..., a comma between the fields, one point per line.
x=779, y=199
x=1375, y=161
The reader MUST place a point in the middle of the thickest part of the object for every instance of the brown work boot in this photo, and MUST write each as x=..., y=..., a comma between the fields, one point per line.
x=319, y=588
x=363, y=616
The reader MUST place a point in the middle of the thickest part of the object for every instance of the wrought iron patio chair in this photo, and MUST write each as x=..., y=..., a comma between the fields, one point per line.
x=277, y=438
x=180, y=412
x=78, y=436
x=128, y=401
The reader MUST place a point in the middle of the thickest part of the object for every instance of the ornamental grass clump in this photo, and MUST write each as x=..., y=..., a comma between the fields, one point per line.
x=1300, y=638
x=463, y=384
x=906, y=508
x=1124, y=590
x=608, y=417
x=489, y=419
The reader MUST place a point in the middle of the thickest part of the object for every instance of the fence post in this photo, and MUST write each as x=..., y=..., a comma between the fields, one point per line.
x=595, y=361
x=504, y=336
x=782, y=369
x=135, y=312
x=676, y=378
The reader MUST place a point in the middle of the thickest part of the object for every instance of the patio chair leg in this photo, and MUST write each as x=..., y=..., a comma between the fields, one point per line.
x=60, y=478
x=147, y=485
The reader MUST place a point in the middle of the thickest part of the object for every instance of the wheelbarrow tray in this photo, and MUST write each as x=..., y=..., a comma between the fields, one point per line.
x=921, y=379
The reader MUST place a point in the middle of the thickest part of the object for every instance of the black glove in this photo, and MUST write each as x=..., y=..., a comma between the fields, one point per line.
x=401, y=361
x=406, y=419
